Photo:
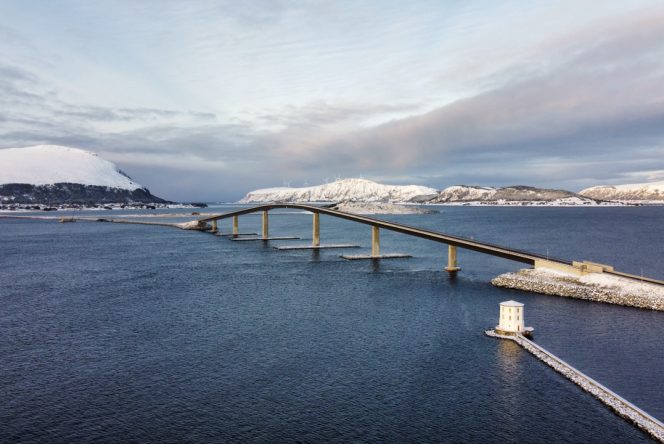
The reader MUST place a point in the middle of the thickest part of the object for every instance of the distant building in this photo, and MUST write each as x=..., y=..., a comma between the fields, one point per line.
x=511, y=319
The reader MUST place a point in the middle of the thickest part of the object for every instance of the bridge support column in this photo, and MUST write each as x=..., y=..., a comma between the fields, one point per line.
x=214, y=226
x=236, y=226
x=266, y=233
x=316, y=234
x=375, y=241
x=452, y=266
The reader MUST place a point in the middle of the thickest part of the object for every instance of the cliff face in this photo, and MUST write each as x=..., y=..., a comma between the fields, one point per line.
x=73, y=193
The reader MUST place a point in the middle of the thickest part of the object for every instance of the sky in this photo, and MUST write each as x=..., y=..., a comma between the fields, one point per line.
x=207, y=100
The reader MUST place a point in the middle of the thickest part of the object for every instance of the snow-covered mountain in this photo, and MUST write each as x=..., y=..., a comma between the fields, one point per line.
x=50, y=164
x=516, y=193
x=653, y=191
x=343, y=190
x=52, y=174
x=360, y=190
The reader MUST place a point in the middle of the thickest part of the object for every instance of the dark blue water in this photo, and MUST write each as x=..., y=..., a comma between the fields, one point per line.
x=148, y=334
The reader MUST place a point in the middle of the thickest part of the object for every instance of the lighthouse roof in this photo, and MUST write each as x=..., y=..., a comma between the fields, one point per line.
x=511, y=304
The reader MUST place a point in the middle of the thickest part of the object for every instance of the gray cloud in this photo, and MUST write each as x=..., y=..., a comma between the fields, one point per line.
x=600, y=106
x=573, y=112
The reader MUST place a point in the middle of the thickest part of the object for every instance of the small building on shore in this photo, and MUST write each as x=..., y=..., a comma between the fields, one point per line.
x=511, y=320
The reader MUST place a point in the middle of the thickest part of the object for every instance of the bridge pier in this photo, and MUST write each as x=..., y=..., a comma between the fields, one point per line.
x=375, y=249
x=375, y=241
x=452, y=266
x=316, y=230
x=265, y=232
x=214, y=226
x=236, y=226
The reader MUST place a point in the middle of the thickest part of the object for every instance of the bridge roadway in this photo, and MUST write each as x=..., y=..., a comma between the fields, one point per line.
x=457, y=241
x=461, y=242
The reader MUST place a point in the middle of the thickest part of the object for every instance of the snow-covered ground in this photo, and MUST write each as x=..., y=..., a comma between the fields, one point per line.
x=341, y=190
x=50, y=164
x=648, y=192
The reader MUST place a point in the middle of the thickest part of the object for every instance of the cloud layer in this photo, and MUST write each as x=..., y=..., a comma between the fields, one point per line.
x=571, y=105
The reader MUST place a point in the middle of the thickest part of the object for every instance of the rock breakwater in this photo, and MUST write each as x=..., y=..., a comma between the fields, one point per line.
x=618, y=404
x=597, y=287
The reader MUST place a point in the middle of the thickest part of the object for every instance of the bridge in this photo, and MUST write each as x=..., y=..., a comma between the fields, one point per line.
x=453, y=242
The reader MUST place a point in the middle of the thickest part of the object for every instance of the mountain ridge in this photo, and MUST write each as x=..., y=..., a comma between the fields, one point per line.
x=354, y=190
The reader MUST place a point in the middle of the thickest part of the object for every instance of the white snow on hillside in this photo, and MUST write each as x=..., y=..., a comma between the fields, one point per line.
x=466, y=193
x=341, y=190
x=511, y=195
x=637, y=191
x=49, y=164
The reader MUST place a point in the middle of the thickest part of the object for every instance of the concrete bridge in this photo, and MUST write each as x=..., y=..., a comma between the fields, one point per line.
x=453, y=242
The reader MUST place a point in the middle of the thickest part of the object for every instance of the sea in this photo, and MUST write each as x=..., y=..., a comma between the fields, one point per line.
x=136, y=333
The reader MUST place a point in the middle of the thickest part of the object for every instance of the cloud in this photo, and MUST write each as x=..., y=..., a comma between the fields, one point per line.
x=568, y=111
x=599, y=103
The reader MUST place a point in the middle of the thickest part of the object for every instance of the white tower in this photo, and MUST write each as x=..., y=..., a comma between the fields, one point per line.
x=511, y=318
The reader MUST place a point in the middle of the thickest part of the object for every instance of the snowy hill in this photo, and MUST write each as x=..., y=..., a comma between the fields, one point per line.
x=51, y=174
x=632, y=192
x=343, y=190
x=51, y=164
x=507, y=195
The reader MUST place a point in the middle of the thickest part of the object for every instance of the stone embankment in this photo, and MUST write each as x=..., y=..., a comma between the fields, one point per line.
x=615, y=402
x=598, y=287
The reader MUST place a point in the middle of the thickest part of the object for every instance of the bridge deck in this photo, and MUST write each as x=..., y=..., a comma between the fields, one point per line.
x=461, y=242
x=458, y=241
